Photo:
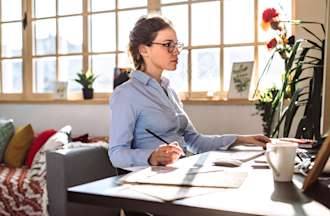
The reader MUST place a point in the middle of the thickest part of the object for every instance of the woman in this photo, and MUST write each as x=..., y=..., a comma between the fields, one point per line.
x=147, y=102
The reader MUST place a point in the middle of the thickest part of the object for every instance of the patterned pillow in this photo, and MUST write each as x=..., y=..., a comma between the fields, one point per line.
x=18, y=146
x=57, y=141
x=7, y=131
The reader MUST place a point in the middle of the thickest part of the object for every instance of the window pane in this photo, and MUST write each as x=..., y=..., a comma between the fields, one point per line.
x=11, y=39
x=179, y=77
x=172, y=1
x=205, y=69
x=69, y=66
x=236, y=11
x=274, y=75
x=102, y=66
x=127, y=20
x=70, y=38
x=101, y=5
x=124, y=61
x=179, y=16
x=12, y=76
x=44, y=34
x=44, y=73
x=103, y=32
x=235, y=54
x=282, y=6
x=11, y=10
x=66, y=7
x=130, y=3
x=205, y=23
x=44, y=8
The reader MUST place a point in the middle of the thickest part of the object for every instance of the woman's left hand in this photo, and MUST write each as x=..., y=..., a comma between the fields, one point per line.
x=252, y=140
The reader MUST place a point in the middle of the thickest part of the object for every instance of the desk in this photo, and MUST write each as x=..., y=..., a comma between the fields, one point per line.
x=258, y=195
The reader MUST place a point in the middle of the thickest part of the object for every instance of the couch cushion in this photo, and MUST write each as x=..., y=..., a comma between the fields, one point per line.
x=37, y=143
x=7, y=131
x=18, y=146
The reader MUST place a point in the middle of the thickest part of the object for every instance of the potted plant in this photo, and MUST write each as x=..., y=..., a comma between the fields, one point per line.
x=300, y=87
x=86, y=80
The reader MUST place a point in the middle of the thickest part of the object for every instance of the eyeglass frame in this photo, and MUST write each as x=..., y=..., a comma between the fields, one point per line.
x=170, y=49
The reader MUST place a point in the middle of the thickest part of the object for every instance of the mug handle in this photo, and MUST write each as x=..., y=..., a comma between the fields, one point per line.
x=270, y=162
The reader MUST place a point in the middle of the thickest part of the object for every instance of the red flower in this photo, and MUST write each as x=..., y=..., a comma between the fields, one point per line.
x=269, y=17
x=269, y=14
x=272, y=43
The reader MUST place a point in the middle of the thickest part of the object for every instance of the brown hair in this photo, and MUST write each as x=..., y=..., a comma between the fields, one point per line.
x=144, y=32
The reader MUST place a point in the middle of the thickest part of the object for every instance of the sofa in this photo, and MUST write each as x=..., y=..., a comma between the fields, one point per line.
x=74, y=166
x=22, y=187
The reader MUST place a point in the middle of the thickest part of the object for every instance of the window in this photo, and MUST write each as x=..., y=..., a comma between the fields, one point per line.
x=217, y=33
x=11, y=40
x=52, y=40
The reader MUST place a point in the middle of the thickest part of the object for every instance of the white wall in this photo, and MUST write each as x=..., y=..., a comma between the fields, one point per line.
x=94, y=119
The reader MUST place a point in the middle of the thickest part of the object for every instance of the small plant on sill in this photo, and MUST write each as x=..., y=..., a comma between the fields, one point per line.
x=86, y=80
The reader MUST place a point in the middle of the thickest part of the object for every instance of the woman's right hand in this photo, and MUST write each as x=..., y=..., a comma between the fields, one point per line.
x=165, y=154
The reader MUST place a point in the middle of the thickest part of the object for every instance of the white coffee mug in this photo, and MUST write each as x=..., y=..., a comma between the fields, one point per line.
x=281, y=158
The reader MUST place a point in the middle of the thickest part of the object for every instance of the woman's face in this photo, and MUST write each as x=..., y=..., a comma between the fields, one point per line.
x=163, y=52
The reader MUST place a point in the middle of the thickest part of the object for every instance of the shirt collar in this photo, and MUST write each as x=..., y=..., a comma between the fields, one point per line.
x=145, y=78
x=140, y=76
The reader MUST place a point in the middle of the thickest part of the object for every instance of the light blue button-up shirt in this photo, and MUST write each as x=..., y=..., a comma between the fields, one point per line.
x=141, y=103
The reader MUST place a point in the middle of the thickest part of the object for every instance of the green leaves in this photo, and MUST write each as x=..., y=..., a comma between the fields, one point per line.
x=86, y=79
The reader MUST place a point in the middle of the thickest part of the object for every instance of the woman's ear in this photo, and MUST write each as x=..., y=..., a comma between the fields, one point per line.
x=143, y=50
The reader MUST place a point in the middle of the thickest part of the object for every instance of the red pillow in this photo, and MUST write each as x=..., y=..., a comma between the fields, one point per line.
x=37, y=143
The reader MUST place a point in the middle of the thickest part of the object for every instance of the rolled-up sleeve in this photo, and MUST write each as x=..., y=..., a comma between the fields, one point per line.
x=122, y=126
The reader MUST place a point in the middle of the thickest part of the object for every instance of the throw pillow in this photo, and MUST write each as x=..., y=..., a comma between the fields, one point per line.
x=37, y=143
x=7, y=131
x=82, y=138
x=57, y=141
x=18, y=146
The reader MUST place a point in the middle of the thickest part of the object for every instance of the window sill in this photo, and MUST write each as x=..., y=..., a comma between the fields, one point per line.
x=191, y=101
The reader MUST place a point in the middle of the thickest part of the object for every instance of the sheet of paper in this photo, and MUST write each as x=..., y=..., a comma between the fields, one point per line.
x=202, y=177
x=170, y=193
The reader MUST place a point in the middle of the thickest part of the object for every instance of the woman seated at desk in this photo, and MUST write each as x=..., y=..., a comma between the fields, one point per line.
x=147, y=102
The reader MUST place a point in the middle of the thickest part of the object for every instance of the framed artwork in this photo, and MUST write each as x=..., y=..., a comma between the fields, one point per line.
x=321, y=158
x=240, y=81
x=61, y=90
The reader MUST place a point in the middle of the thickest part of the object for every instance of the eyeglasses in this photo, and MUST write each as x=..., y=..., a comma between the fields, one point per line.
x=171, y=46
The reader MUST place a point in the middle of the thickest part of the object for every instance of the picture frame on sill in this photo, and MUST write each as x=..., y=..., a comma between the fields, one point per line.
x=240, y=81
x=61, y=90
